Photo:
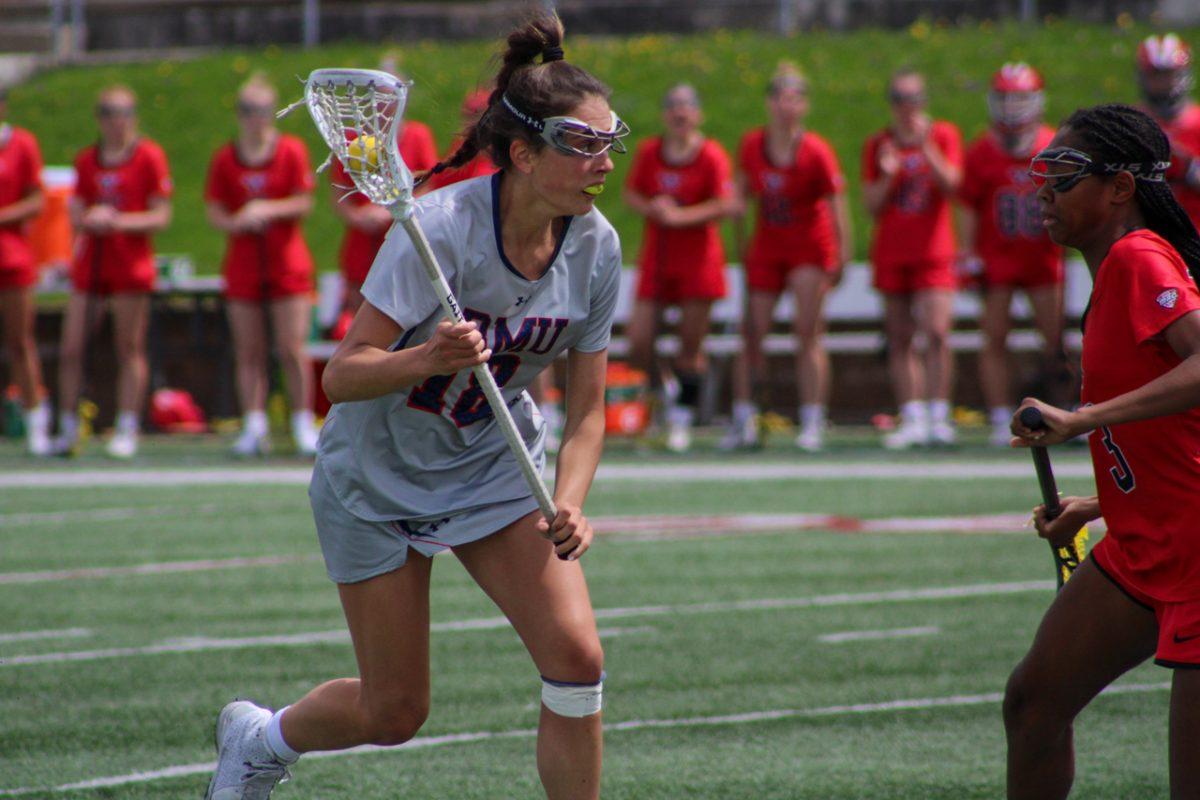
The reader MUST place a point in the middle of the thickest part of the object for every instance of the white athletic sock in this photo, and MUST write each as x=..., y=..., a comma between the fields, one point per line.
x=939, y=410
x=275, y=742
x=1000, y=416
x=68, y=425
x=255, y=423
x=37, y=419
x=127, y=423
x=812, y=416
x=914, y=411
x=743, y=411
x=302, y=420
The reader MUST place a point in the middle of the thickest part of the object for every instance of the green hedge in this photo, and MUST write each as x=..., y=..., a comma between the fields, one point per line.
x=187, y=105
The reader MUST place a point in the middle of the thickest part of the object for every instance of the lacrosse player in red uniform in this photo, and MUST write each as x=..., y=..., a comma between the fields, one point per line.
x=1164, y=65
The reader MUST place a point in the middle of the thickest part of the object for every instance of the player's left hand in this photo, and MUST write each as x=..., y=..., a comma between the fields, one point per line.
x=1061, y=425
x=570, y=532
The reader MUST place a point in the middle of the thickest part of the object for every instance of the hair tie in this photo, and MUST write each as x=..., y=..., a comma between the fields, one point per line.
x=552, y=53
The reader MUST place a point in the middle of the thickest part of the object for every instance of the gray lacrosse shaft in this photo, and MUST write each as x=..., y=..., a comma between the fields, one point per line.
x=482, y=374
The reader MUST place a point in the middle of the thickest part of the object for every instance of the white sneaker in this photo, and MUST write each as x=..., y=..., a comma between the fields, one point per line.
x=910, y=433
x=39, y=444
x=250, y=444
x=65, y=446
x=679, y=437
x=246, y=767
x=1001, y=436
x=123, y=446
x=811, y=440
x=305, y=438
x=741, y=437
x=942, y=433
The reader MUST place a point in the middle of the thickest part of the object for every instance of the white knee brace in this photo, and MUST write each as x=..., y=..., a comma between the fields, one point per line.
x=572, y=699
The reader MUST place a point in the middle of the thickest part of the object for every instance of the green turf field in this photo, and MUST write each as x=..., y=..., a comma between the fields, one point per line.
x=719, y=683
x=188, y=104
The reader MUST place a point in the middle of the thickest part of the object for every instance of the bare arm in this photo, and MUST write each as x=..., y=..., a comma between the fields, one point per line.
x=219, y=218
x=947, y=175
x=1176, y=391
x=28, y=206
x=968, y=227
x=363, y=368
x=637, y=201
x=842, y=227
x=152, y=220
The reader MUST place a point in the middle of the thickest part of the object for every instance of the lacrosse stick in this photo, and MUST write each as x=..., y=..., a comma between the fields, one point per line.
x=358, y=113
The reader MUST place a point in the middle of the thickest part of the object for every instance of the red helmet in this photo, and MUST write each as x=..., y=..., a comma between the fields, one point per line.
x=1015, y=98
x=175, y=411
x=1164, y=73
x=1160, y=53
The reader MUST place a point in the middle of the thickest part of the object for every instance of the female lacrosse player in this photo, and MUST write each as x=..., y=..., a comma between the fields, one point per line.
x=259, y=189
x=411, y=459
x=122, y=197
x=1002, y=231
x=21, y=200
x=680, y=182
x=801, y=240
x=1103, y=191
x=911, y=170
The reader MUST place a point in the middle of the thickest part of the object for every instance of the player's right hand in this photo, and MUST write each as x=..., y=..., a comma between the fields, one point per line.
x=454, y=347
x=1060, y=531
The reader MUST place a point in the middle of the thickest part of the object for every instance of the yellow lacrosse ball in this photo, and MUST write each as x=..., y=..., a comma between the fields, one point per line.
x=362, y=150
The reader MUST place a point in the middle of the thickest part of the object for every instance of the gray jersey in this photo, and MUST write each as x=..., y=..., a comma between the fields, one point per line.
x=435, y=448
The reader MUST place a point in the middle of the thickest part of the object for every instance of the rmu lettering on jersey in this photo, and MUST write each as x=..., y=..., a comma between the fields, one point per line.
x=536, y=335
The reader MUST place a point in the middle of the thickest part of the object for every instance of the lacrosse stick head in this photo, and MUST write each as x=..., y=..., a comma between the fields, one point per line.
x=358, y=113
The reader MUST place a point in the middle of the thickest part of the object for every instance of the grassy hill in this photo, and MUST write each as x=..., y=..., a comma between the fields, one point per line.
x=188, y=105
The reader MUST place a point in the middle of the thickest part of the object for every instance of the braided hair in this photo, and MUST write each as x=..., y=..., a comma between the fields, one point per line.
x=1120, y=134
x=546, y=89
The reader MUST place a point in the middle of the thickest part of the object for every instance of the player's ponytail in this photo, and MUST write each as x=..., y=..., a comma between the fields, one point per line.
x=537, y=80
x=1120, y=134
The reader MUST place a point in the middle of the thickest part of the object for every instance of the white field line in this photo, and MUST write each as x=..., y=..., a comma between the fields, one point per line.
x=637, y=473
x=30, y=636
x=635, y=528
x=749, y=717
x=869, y=636
x=203, y=643
x=104, y=514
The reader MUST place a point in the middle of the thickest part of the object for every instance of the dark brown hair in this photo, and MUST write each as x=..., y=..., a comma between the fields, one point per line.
x=550, y=88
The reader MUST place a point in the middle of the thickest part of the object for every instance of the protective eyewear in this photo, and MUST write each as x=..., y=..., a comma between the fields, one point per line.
x=106, y=111
x=907, y=98
x=574, y=136
x=254, y=110
x=1064, y=167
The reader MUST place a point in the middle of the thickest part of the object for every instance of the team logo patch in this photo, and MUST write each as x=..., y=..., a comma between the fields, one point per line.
x=1168, y=298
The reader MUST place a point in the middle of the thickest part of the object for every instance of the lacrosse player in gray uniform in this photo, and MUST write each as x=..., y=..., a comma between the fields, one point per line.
x=411, y=461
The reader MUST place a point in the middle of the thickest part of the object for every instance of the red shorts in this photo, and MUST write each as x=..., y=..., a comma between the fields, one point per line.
x=113, y=281
x=913, y=276
x=670, y=287
x=247, y=284
x=18, y=278
x=1032, y=274
x=1178, y=623
x=767, y=268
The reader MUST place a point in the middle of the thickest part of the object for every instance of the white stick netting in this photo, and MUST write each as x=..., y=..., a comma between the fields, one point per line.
x=358, y=114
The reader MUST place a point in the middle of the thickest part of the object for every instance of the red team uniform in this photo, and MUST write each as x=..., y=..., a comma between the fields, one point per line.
x=478, y=166
x=1146, y=471
x=1009, y=238
x=795, y=221
x=275, y=263
x=678, y=264
x=913, y=247
x=20, y=176
x=113, y=263
x=358, y=251
x=1184, y=133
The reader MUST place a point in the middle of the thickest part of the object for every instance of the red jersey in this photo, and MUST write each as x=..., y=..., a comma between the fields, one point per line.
x=1009, y=236
x=280, y=249
x=1184, y=133
x=1147, y=472
x=915, y=223
x=478, y=166
x=419, y=152
x=20, y=176
x=119, y=259
x=793, y=212
x=705, y=177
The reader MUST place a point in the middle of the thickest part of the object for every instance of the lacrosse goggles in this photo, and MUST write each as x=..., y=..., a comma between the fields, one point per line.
x=1071, y=166
x=571, y=135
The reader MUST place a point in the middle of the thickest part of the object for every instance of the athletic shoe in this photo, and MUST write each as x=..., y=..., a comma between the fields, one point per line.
x=942, y=433
x=741, y=437
x=811, y=440
x=250, y=444
x=679, y=437
x=1001, y=436
x=122, y=446
x=246, y=767
x=39, y=444
x=911, y=433
x=64, y=446
x=305, y=437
